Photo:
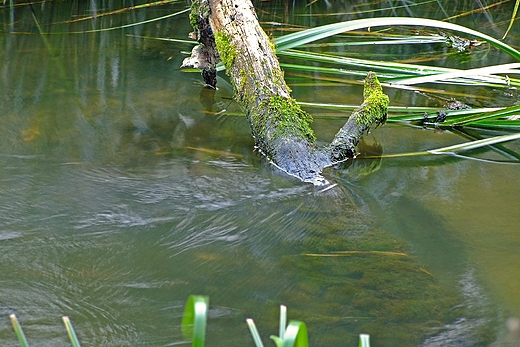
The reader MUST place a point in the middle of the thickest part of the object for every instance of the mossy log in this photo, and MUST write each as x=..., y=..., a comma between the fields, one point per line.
x=229, y=31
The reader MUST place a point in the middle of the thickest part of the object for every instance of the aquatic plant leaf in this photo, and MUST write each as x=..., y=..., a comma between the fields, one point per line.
x=277, y=341
x=283, y=321
x=194, y=319
x=385, y=66
x=480, y=74
x=466, y=146
x=255, y=333
x=296, y=335
x=471, y=120
x=392, y=40
x=310, y=35
x=118, y=27
x=350, y=253
x=18, y=330
x=497, y=125
x=121, y=10
x=507, y=153
x=513, y=16
x=475, y=144
x=450, y=115
x=364, y=340
x=500, y=119
x=345, y=107
x=70, y=331
x=400, y=74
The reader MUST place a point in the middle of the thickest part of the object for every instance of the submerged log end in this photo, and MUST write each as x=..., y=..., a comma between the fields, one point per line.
x=298, y=158
x=283, y=134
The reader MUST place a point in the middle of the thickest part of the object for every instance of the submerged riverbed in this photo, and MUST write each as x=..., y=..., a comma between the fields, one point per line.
x=125, y=186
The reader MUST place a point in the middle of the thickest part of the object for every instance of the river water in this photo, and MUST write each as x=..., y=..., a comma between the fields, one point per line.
x=125, y=186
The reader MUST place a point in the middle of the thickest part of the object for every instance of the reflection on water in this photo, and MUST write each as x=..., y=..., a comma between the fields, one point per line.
x=125, y=186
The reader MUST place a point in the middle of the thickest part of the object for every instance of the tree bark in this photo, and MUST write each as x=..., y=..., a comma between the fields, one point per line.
x=228, y=30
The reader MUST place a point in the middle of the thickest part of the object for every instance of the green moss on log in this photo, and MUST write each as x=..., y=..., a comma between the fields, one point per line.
x=375, y=105
x=271, y=42
x=198, y=14
x=194, y=16
x=287, y=116
x=226, y=49
x=242, y=76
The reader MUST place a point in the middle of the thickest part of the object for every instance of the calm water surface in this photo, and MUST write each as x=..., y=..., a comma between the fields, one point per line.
x=125, y=186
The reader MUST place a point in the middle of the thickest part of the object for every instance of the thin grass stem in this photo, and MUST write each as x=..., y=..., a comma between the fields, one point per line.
x=283, y=320
x=120, y=26
x=349, y=253
x=254, y=332
x=475, y=144
x=364, y=340
x=70, y=331
x=18, y=330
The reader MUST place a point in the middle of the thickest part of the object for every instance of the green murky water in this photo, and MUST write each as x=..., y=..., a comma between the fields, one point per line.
x=125, y=186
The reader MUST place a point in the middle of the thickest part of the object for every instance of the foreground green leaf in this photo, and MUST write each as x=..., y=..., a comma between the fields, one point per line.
x=194, y=319
x=296, y=335
x=364, y=340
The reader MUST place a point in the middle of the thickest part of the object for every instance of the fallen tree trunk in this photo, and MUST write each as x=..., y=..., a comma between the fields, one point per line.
x=229, y=31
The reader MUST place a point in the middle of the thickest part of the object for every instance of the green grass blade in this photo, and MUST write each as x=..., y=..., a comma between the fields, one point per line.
x=387, y=40
x=357, y=10
x=314, y=69
x=470, y=120
x=344, y=107
x=457, y=114
x=510, y=155
x=310, y=35
x=497, y=125
x=466, y=146
x=364, y=340
x=119, y=11
x=132, y=24
x=121, y=26
x=405, y=74
x=255, y=333
x=296, y=335
x=388, y=67
x=194, y=320
x=70, y=331
x=277, y=341
x=475, y=144
x=512, y=19
x=481, y=74
x=18, y=330
x=481, y=118
x=283, y=320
